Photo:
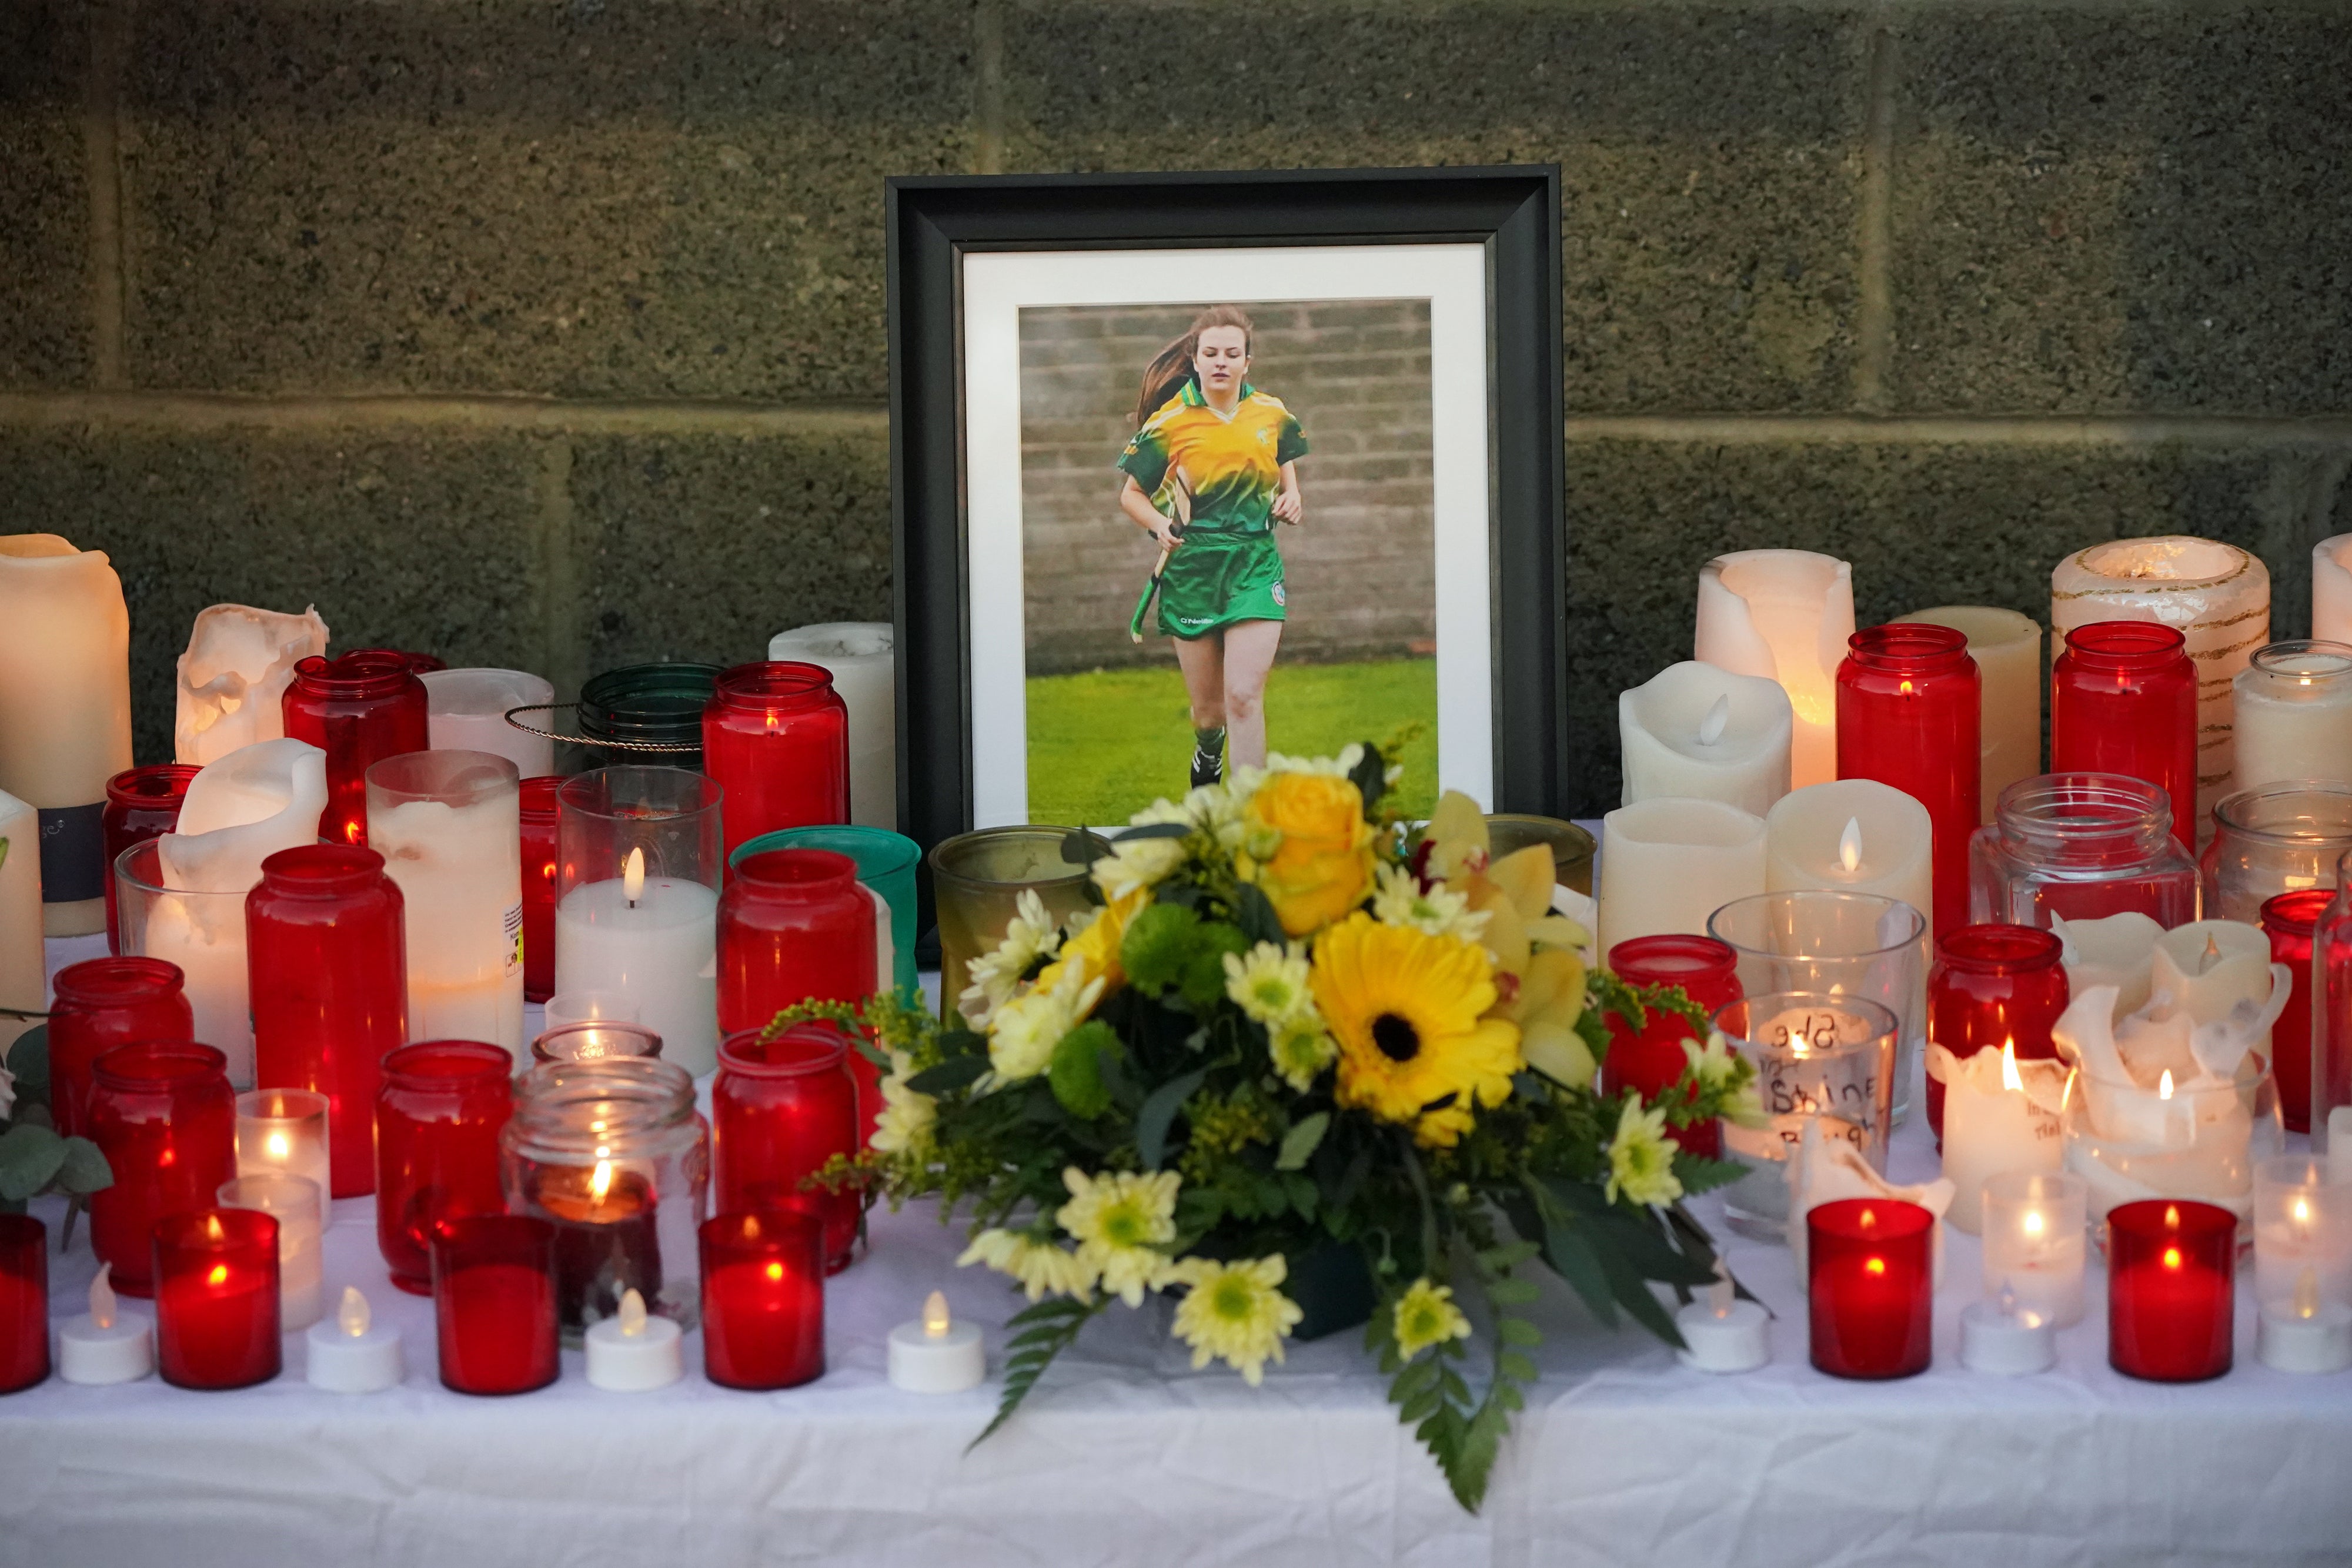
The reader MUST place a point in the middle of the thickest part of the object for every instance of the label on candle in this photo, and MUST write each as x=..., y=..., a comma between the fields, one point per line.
x=514, y=940
x=73, y=852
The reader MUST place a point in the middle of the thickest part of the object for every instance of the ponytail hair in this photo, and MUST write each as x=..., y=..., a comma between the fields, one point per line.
x=1171, y=367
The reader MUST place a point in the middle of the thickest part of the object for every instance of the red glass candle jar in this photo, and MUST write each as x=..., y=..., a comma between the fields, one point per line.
x=101, y=1003
x=164, y=1117
x=2292, y=921
x=2171, y=1273
x=1993, y=985
x=358, y=709
x=776, y=738
x=493, y=1302
x=779, y=1110
x=216, y=1308
x=2123, y=699
x=437, y=1118
x=142, y=803
x=324, y=946
x=1652, y=1060
x=763, y=1299
x=24, y=1302
x=1908, y=715
x=1871, y=1276
x=538, y=810
x=794, y=924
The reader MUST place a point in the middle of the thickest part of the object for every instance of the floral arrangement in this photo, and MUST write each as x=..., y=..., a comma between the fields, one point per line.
x=1305, y=1056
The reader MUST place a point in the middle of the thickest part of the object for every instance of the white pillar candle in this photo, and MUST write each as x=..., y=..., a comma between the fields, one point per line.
x=105, y=1345
x=2339, y=1145
x=65, y=712
x=2331, y=588
x=861, y=656
x=466, y=710
x=233, y=679
x=283, y=1132
x=1705, y=734
x=633, y=1352
x=2295, y=715
x=350, y=1352
x=937, y=1354
x=660, y=949
x=2036, y=1244
x=1784, y=615
x=1852, y=835
x=449, y=828
x=2000, y=1115
x=24, y=982
x=295, y=1202
x=2000, y=1336
x=1668, y=864
x=2007, y=647
x=2218, y=595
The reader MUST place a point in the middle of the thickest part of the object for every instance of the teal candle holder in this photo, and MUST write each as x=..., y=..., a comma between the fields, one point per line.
x=886, y=868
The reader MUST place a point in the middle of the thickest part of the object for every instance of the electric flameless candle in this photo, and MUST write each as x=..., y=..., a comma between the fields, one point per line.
x=350, y=1352
x=284, y=1132
x=1667, y=864
x=937, y=1354
x=632, y=1352
x=2034, y=1241
x=2302, y=1266
x=1721, y=1332
x=105, y=1345
x=1851, y=835
x=1784, y=615
x=296, y=1203
x=1702, y=733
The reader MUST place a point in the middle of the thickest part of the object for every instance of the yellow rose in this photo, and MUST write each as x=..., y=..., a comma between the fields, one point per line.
x=1098, y=943
x=1307, y=848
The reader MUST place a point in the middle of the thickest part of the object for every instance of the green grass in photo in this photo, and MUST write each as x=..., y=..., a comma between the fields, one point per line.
x=1107, y=743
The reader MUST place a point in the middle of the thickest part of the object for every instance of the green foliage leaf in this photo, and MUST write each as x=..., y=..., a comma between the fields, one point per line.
x=1075, y=1072
x=1255, y=914
x=1298, y=1145
x=28, y=1059
x=1082, y=848
x=1516, y=1332
x=1700, y=1175
x=84, y=1169
x=1370, y=779
x=1156, y=946
x=953, y=1073
x=1153, y=830
x=30, y=1157
x=1046, y=1329
x=1159, y=1111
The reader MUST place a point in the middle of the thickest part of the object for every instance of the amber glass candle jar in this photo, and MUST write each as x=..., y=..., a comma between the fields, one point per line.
x=142, y=803
x=2123, y=699
x=101, y=1003
x=1993, y=986
x=438, y=1115
x=165, y=1118
x=775, y=736
x=1908, y=715
x=358, y=709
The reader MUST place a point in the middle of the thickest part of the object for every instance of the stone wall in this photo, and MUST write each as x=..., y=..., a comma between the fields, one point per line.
x=551, y=331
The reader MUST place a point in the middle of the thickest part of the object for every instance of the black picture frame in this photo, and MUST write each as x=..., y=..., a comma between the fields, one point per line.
x=932, y=221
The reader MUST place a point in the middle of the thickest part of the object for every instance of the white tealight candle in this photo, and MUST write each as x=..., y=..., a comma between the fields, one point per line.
x=653, y=939
x=1999, y=1337
x=353, y=1354
x=1722, y=1333
x=1698, y=731
x=2306, y=1334
x=632, y=1352
x=937, y=1354
x=105, y=1345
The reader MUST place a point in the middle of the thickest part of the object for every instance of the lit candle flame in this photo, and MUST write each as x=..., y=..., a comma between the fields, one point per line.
x=1909, y=690
x=2066, y=1092
x=219, y=1275
x=600, y=1180
x=631, y=1313
x=2172, y=1256
x=354, y=1317
x=279, y=1149
x=1868, y=1219
x=2033, y=1223
x=2172, y=1216
x=633, y=877
x=1875, y=1266
x=2164, y=1086
x=101, y=1297
x=1719, y=715
x=2306, y=1292
x=1849, y=844
x=2010, y=1081
x=1720, y=1295
x=212, y=1232
x=935, y=1321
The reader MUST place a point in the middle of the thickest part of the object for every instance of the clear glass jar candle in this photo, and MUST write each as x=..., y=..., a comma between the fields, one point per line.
x=2080, y=846
x=1909, y=715
x=1826, y=1060
x=2295, y=715
x=142, y=803
x=775, y=736
x=593, y=1040
x=200, y=934
x=284, y=1132
x=2123, y=699
x=358, y=709
x=2036, y=1241
x=2274, y=839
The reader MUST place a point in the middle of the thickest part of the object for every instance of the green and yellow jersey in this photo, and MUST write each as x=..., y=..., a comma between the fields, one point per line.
x=1234, y=466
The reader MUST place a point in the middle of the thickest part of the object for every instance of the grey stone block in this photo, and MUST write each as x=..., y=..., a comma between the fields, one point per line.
x=677, y=200
x=703, y=547
x=414, y=538
x=1709, y=158
x=2112, y=208
x=45, y=285
x=1923, y=525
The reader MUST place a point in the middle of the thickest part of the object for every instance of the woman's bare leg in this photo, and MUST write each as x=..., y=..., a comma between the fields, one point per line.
x=1249, y=650
x=1202, y=660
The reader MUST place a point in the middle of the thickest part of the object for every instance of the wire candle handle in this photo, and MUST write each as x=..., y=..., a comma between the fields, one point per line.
x=656, y=747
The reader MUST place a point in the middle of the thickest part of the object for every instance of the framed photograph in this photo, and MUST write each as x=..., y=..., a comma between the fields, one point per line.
x=1193, y=468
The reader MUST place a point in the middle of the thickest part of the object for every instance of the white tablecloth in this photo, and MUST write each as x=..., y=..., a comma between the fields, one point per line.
x=1126, y=1456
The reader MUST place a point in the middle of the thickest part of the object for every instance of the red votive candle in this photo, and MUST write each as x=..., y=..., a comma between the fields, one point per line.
x=775, y=736
x=142, y=803
x=358, y=709
x=1652, y=1060
x=24, y=1302
x=795, y=925
x=1871, y=1273
x=216, y=1318
x=536, y=802
x=437, y=1118
x=164, y=1117
x=1993, y=986
x=102, y=1003
x=763, y=1299
x=2123, y=699
x=2171, y=1269
x=326, y=950
x=1908, y=715
x=779, y=1110
x=493, y=1302
x=2292, y=921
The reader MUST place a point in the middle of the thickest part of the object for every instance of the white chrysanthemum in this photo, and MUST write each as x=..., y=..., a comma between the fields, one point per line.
x=1269, y=982
x=1642, y=1158
x=1137, y=863
x=996, y=974
x=905, y=1122
x=1024, y=1031
x=1235, y=1312
x=1439, y=912
x=1301, y=1048
x=1121, y=1221
x=1350, y=757
x=1040, y=1269
x=1426, y=1315
x=1716, y=1064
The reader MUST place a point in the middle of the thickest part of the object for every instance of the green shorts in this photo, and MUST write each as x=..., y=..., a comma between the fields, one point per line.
x=1216, y=578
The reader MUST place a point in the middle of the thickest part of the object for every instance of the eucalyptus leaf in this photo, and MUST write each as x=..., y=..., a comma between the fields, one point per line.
x=84, y=1168
x=28, y=1059
x=1159, y=1108
x=1083, y=848
x=1253, y=912
x=1298, y=1145
x=1372, y=781
x=30, y=1157
x=953, y=1073
x=1154, y=831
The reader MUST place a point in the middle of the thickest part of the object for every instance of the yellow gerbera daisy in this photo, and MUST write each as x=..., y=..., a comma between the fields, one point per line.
x=1404, y=1007
x=1426, y=1315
